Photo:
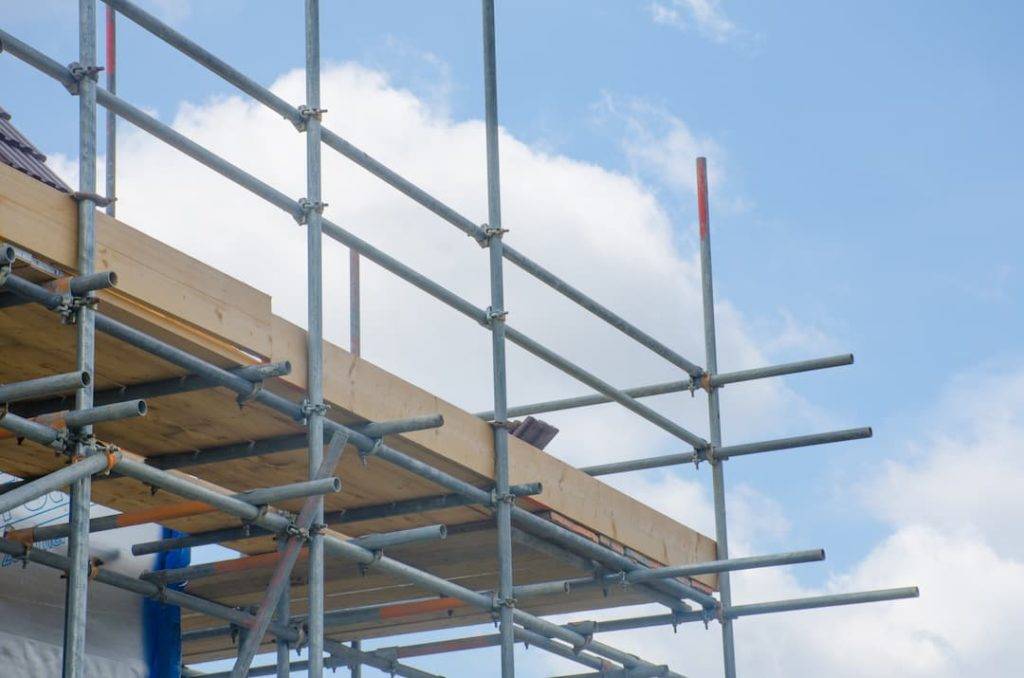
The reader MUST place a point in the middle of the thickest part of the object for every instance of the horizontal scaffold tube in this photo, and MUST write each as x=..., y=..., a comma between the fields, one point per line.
x=736, y=611
x=340, y=517
x=58, y=479
x=373, y=446
x=331, y=139
x=49, y=429
x=113, y=412
x=44, y=386
x=691, y=570
x=163, y=514
x=156, y=514
x=678, y=386
x=152, y=389
x=191, y=602
x=75, y=286
x=729, y=451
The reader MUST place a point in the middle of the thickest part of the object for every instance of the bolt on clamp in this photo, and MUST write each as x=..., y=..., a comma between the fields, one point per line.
x=69, y=439
x=587, y=639
x=245, y=399
x=497, y=603
x=261, y=512
x=507, y=498
x=305, y=114
x=305, y=207
x=300, y=633
x=308, y=408
x=70, y=305
x=78, y=72
x=366, y=454
x=311, y=112
x=24, y=557
x=487, y=233
x=493, y=315
x=317, y=529
x=364, y=568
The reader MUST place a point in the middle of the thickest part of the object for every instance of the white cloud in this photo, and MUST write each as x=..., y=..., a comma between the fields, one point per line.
x=661, y=149
x=605, y=232
x=706, y=15
x=968, y=469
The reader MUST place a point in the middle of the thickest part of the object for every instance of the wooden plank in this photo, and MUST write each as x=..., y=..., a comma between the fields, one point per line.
x=172, y=284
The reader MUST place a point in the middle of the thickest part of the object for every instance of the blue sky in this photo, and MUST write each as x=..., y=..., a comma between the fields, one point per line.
x=869, y=157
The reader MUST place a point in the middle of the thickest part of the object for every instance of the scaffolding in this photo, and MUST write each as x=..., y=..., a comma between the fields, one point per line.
x=72, y=434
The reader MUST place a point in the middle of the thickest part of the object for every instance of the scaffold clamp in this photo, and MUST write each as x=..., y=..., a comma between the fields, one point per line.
x=366, y=454
x=78, y=72
x=245, y=399
x=310, y=408
x=487, y=233
x=305, y=207
x=71, y=304
x=493, y=315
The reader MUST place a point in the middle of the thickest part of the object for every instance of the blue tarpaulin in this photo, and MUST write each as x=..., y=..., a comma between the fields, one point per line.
x=162, y=622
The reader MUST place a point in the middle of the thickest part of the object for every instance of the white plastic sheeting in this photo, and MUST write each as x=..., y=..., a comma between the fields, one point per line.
x=32, y=600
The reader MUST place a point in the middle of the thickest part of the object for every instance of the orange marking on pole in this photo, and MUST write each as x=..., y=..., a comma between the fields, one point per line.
x=59, y=286
x=702, y=197
x=161, y=513
x=252, y=562
x=53, y=420
x=25, y=536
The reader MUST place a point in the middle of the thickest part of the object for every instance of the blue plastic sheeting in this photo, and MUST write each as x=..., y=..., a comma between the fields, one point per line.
x=162, y=622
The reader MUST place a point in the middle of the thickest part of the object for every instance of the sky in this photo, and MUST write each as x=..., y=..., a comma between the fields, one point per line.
x=864, y=176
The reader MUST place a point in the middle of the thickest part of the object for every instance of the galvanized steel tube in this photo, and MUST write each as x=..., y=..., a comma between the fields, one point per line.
x=814, y=602
x=282, y=666
x=81, y=418
x=307, y=488
x=714, y=413
x=729, y=451
x=76, y=598
x=678, y=386
x=26, y=428
x=314, y=337
x=496, y=316
x=111, y=70
x=54, y=481
x=44, y=386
